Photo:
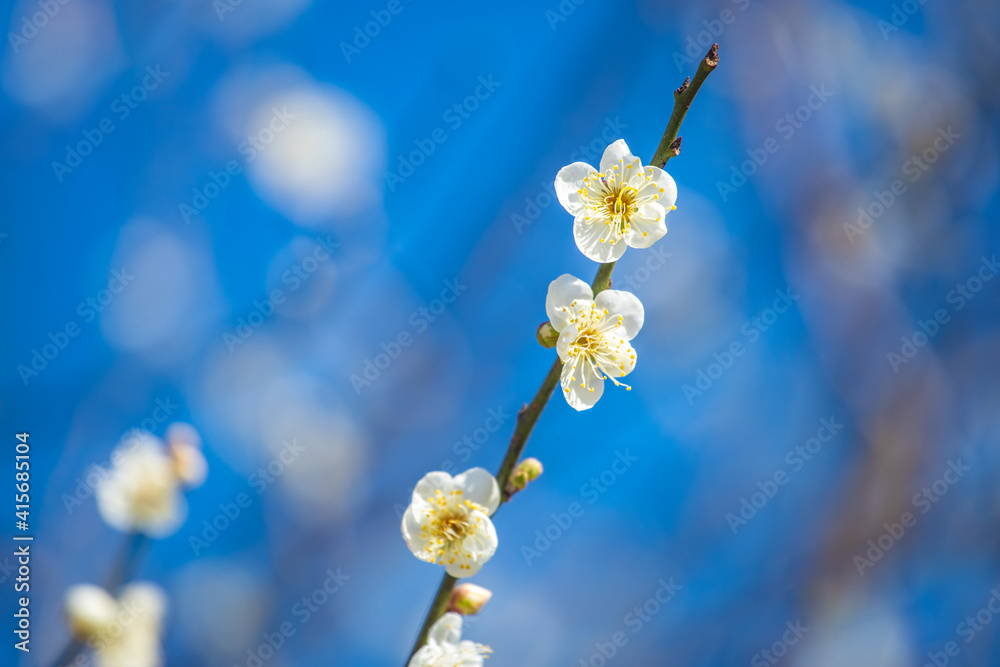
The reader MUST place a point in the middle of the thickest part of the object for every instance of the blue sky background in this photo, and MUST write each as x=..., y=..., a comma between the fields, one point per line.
x=479, y=211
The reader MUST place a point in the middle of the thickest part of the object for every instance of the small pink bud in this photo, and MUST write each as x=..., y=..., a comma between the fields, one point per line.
x=468, y=599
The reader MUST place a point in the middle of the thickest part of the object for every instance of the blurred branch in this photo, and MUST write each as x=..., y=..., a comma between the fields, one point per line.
x=527, y=417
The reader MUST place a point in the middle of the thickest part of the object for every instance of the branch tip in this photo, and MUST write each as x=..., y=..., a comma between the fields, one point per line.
x=684, y=86
x=712, y=58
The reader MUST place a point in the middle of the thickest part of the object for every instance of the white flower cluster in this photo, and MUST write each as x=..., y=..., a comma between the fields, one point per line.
x=143, y=495
x=622, y=204
x=448, y=521
x=144, y=492
x=123, y=632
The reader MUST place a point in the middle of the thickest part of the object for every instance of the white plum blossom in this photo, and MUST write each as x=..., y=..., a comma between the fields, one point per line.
x=448, y=520
x=143, y=493
x=446, y=648
x=621, y=204
x=594, y=335
x=123, y=632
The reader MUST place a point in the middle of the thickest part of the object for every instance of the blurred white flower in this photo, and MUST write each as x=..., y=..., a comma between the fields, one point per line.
x=623, y=204
x=143, y=492
x=123, y=632
x=594, y=337
x=445, y=647
x=448, y=520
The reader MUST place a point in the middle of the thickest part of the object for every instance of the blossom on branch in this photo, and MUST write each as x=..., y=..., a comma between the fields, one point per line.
x=594, y=335
x=144, y=491
x=448, y=521
x=622, y=204
x=446, y=648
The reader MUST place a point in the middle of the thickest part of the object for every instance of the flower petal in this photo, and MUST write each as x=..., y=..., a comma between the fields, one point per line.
x=480, y=487
x=482, y=543
x=447, y=630
x=427, y=656
x=624, y=358
x=668, y=197
x=411, y=527
x=574, y=375
x=569, y=182
x=431, y=483
x=464, y=567
x=625, y=304
x=646, y=226
x=589, y=235
x=616, y=154
x=567, y=336
x=563, y=291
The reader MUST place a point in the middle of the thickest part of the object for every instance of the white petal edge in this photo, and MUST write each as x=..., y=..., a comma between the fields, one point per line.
x=587, y=234
x=664, y=180
x=647, y=226
x=625, y=304
x=616, y=154
x=481, y=487
x=577, y=397
x=563, y=291
x=569, y=181
x=447, y=630
x=432, y=482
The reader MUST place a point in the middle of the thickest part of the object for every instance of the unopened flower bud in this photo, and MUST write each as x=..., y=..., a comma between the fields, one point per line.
x=184, y=445
x=547, y=336
x=189, y=464
x=526, y=471
x=468, y=599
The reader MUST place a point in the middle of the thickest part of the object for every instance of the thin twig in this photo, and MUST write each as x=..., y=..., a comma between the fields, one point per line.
x=528, y=416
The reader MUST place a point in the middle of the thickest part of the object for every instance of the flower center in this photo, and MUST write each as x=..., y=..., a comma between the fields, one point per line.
x=592, y=346
x=620, y=204
x=451, y=525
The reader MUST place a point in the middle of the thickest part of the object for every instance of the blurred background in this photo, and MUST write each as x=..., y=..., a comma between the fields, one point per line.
x=322, y=234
